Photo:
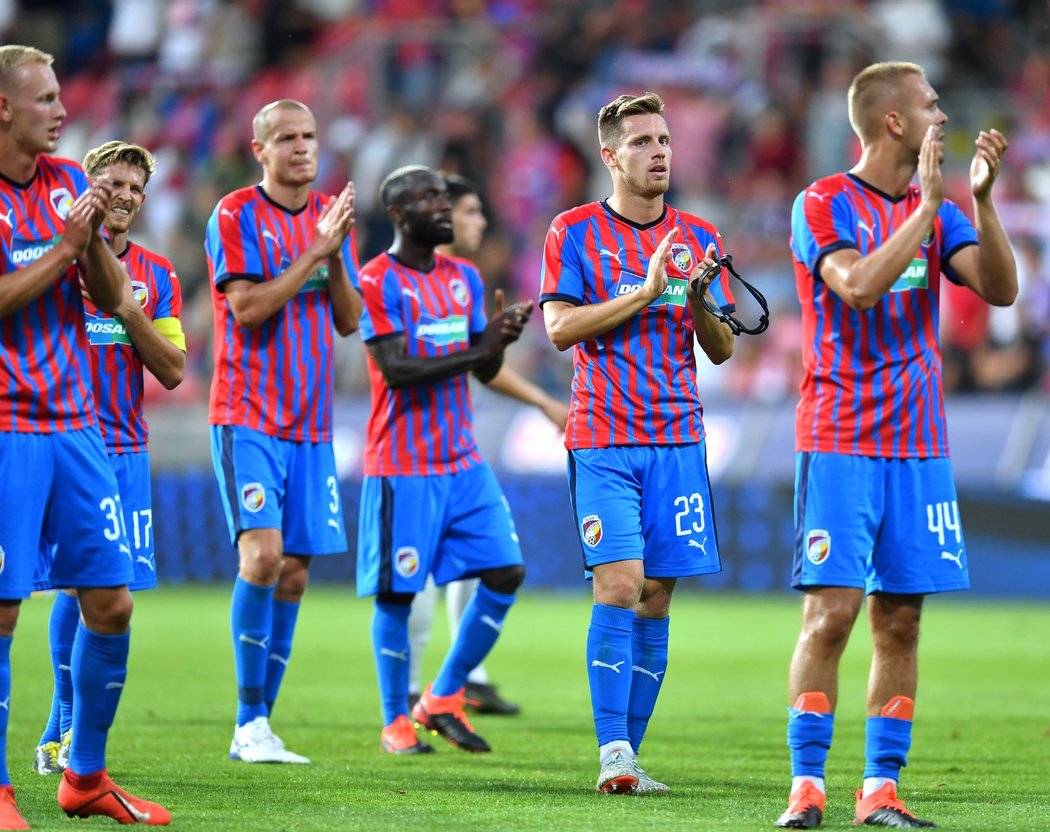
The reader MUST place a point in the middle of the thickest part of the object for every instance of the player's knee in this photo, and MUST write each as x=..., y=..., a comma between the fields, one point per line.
x=395, y=599
x=619, y=590
x=830, y=625
x=261, y=564
x=106, y=611
x=291, y=585
x=899, y=631
x=505, y=580
x=8, y=617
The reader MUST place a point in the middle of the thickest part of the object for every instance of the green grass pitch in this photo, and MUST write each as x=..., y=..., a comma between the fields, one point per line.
x=980, y=758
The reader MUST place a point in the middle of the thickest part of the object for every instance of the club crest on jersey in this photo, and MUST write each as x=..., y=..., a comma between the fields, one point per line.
x=591, y=530
x=818, y=546
x=406, y=561
x=682, y=257
x=141, y=292
x=459, y=291
x=253, y=497
x=61, y=201
x=927, y=241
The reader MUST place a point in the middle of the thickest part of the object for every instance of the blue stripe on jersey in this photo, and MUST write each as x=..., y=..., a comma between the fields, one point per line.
x=873, y=379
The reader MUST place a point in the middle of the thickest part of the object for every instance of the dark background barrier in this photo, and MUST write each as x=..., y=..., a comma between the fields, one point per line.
x=1006, y=539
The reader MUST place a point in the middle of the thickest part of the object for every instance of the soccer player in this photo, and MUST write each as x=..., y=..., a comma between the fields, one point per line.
x=281, y=257
x=144, y=332
x=481, y=695
x=618, y=285
x=57, y=489
x=875, y=505
x=430, y=504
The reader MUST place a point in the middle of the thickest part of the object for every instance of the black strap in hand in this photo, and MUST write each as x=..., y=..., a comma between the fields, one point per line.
x=735, y=325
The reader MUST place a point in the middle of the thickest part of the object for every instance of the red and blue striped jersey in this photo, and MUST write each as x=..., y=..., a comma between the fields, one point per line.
x=426, y=429
x=637, y=383
x=115, y=363
x=44, y=369
x=872, y=380
x=279, y=378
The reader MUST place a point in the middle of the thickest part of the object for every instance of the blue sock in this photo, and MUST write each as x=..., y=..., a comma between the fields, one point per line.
x=809, y=738
x=285, y=614
x=5, y=702
x=479, y=627
x=649, y=664
x=390, y=643
x=100, y=666
x=609, y=664
x=251, y=621
x=886, y=744
x=61, y=630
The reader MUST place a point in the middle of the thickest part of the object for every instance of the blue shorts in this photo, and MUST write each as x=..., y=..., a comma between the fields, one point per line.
x=649, y=503
x=60, y=514
x=133, y=484
x=882, y=525
x=271, y=483
x=450, y=526
x=132, y=472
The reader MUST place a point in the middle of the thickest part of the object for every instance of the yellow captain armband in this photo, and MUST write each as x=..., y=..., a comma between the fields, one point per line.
x=171, y=328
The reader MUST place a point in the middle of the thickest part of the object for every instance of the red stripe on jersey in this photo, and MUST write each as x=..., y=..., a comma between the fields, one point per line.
x=279, y=378
x=637, y=384
x=43, y=358
x=117, y=369
x=426, y=429
x=872, y=383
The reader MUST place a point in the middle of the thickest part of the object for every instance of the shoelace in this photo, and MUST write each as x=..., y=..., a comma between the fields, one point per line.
x=893, y=803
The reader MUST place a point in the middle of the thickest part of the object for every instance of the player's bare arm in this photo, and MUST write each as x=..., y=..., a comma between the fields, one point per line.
x=346, y=301
x=103, y=275
x=716, y=339
x=989, y=268
x=160, y=356
x=504, y=328
x=568, y=325
x=508, y=382
x=23, y=286
x=861, y=281
x=482, y=358
x=254, y=303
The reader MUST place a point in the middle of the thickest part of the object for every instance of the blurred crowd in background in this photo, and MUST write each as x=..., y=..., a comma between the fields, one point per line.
x=507, y=92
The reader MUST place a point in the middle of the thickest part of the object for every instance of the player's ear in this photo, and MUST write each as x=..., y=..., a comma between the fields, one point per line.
x=894, y=123
x=609, y=157
x=257, y=151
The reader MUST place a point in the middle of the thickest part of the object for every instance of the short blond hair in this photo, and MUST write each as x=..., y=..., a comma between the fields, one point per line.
x=873, y=90
x=261, y=124
x=12, y=56
x=100, y=158
x=612, y=116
